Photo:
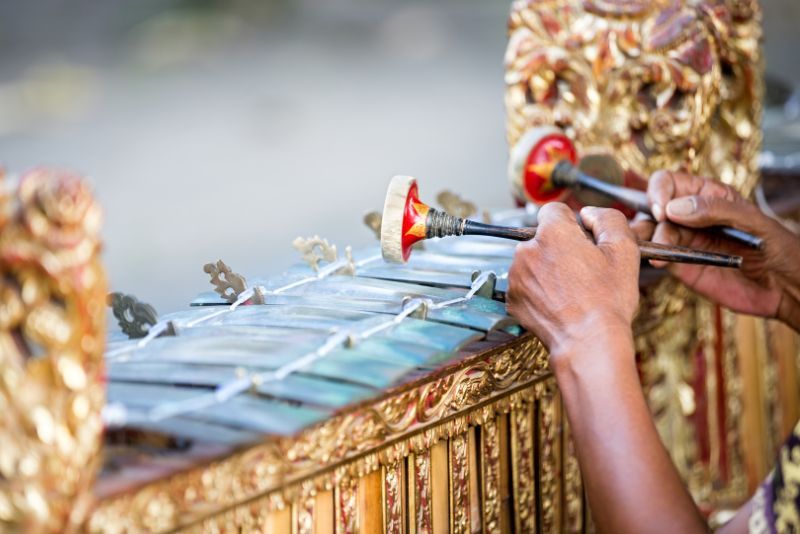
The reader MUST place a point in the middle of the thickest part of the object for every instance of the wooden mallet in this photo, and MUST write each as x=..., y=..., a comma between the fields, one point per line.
x=406, y=220
x=544, y=165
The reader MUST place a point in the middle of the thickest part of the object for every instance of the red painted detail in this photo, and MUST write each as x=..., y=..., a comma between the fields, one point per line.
x=414, y=215
x=722, y=406
x=701, y=401
x=544, y=155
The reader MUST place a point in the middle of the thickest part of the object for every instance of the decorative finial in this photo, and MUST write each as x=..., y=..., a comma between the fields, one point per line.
x=315, y=249
x=134, y=317
x=373, y=222
x=455, y=205
x=227, y=283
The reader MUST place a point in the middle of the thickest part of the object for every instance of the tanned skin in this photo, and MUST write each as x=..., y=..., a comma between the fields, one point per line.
x=579, y=297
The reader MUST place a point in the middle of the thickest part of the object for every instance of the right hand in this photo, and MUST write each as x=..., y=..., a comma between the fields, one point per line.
x=767, y=285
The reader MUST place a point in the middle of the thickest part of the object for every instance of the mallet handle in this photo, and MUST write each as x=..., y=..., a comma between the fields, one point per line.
x=648, y=249
x=565, y=175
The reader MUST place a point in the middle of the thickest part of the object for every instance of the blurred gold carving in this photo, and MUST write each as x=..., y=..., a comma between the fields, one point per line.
x=659, y=84
x=346, y=508
x=573, y=486
x=228, y=284
x=373, y=221
x=134, y=317
x=455, y=205
x=305, y=513
x=316, y=250
x=52, y=325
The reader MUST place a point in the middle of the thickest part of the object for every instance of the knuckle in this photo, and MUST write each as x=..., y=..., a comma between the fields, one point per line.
x=661, y=183
x=556, y=210
x=616, y=217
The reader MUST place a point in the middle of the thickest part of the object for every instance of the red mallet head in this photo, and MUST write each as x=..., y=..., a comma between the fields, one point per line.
x=404, y=219
x=532, y=160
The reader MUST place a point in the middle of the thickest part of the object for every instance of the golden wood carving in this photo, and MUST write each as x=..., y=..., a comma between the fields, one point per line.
x=52, y=325
x=422, y=492
x=406, y=422
x=573, y=486
x=490, y=449
x=549, y=457
x=459, y=485
x=522, y=468
x=659, y=84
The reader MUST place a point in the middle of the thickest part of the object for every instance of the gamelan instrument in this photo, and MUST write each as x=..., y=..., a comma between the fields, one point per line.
x=544, y=162
x=347, y=394
x=407, y=220
x=353, y=395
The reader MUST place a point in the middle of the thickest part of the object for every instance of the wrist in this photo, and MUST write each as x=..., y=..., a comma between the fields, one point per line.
x=599, y=342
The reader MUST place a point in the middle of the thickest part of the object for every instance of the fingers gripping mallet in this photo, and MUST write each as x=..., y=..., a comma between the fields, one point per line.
x=544, y=165
x=407, y=220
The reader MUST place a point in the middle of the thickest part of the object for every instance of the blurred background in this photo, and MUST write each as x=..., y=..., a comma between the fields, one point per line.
x=225, y=129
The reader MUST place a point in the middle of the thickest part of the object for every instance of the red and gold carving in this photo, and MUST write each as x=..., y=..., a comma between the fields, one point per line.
x=658, y=85
x=393, y=498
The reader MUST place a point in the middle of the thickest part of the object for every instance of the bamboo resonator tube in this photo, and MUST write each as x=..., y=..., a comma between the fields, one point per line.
x=544, y=163
x=406, y=220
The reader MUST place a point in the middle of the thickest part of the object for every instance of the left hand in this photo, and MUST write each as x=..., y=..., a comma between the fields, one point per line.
x=567, y=289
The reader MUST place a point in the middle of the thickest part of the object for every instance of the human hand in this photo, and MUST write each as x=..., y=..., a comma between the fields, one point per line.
x=567, y=289
x=768, y=284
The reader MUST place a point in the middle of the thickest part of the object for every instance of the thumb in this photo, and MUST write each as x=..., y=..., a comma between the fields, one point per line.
x=698, y=211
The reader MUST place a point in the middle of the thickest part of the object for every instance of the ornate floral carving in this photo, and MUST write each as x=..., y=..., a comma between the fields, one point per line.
x=227, y=283
x=316, y=250
x=522, y=468
x=305, y=510
x=573, y=486
x=490, y=461
x=346, y=506
x=549, y=460
x=135, y=318
x=459, y=485
x=422, y=491
x=52, y=324
x=393, y=497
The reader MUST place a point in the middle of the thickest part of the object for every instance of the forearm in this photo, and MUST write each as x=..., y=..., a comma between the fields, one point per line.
x=630, y=480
